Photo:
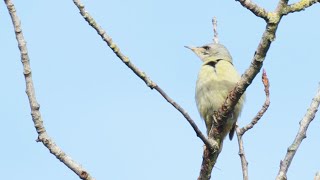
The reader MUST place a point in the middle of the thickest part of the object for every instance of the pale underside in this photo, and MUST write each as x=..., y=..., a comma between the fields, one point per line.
x=213, y=85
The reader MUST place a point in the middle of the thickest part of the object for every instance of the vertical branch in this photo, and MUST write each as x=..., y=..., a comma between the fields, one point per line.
x=240, y=131
x=34, y=105
x=209, y=159
x=244, y=162
x=215, y=31
x=304, y=124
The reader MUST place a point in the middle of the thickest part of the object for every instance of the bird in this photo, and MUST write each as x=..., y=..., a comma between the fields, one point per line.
x=216, y=78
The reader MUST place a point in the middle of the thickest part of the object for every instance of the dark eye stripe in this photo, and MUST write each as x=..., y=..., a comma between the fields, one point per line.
x=206, y=47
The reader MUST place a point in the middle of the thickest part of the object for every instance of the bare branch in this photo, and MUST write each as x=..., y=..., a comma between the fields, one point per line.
x=244, y=162
x=255, y=9
x=186, y=115
x=298, y=6
x=209, y=159
x=142, y=75
x=304, y=124
x=215, y=31
x=240, y=131
x=34, y=105
x=247, y=77
x=264, y=108
x=273, y=20
x=282, y=4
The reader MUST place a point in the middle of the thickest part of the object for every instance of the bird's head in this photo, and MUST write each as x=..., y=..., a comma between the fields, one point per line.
x=212, y=52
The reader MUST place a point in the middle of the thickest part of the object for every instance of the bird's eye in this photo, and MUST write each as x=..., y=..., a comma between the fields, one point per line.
x=206, y=47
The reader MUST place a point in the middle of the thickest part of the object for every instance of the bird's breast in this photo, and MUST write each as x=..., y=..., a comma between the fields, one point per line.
x=213, y=85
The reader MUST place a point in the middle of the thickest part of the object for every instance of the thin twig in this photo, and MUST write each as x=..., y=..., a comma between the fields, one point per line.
x=215, y=31
x=35, y=112
x=255, y=9
x=142, y=75
x=240, y=131
x=186, y=115
x=304, y=124
x=264, y=108
x=244, y=162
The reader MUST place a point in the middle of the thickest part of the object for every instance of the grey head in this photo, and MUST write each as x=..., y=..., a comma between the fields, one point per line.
x=212, y=52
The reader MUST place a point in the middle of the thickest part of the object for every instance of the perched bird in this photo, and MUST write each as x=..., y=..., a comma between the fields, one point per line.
x=216, y=78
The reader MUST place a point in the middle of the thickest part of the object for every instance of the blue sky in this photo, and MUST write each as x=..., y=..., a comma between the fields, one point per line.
x=105, y=117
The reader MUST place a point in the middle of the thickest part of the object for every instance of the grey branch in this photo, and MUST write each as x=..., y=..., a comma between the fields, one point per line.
x=304, y=124
x=215, y=30
x=298, y=6
x=264, y=108
x=142, y=75
x=273, y=19
x=240, y=131
x=35, y=112
x=254, y=8
x=268, y=37
x=244, y=162
x=248, y=76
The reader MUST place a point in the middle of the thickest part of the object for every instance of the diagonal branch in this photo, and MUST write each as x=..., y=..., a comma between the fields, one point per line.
x=226, y=109
x=137, y=71
x=268, y=36
x=244, y=162
x=298, y=6
x=241, y=131
x=304, y=124
x=35, y=112
x=234, y=96
x=273, y=19
x=255, y=9
x=248, y=76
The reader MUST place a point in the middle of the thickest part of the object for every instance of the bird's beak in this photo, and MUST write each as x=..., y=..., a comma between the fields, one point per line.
x=191, y=48
x=196, y=50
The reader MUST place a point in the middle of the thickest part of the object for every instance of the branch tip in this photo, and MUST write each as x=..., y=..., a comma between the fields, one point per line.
x=215, y=31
